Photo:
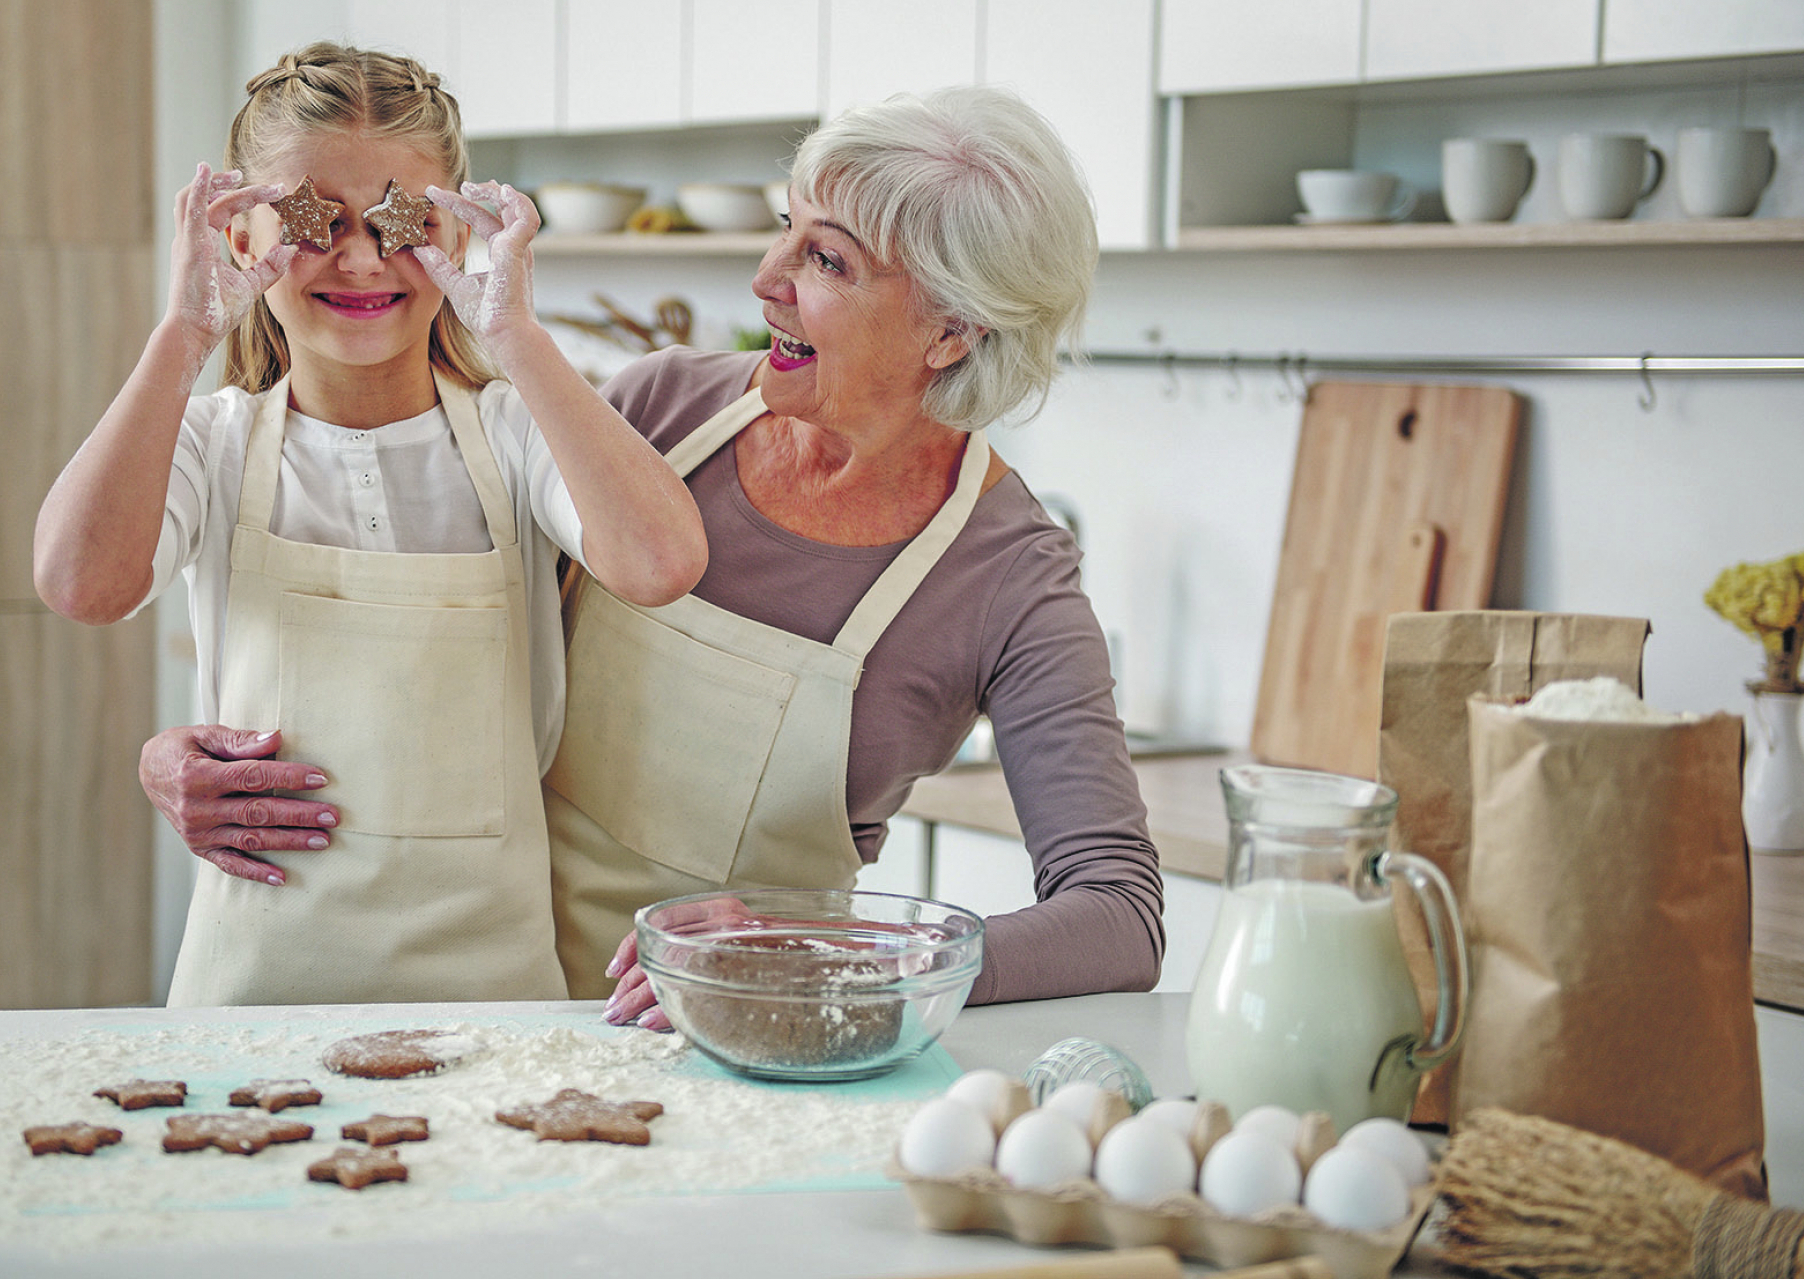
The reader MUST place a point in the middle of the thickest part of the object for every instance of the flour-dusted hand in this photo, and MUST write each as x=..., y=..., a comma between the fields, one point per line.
x=208, y=294
x=496, y=303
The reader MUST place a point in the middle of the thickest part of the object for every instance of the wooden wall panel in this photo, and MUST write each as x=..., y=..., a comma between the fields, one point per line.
x=77, y=273
x=74, y=828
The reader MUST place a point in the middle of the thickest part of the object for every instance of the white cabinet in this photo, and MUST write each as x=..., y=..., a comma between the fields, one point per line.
x=1655, y=30
x=1088, y=69
x=625, y=65
x=1419, y=38
x=1211, y=46
x=510, y=68
x=870, y=54
x=754, y=61
x=421, y=29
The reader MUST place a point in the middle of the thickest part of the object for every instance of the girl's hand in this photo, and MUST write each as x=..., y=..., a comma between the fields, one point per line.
x=208, y=295
x=498, y=301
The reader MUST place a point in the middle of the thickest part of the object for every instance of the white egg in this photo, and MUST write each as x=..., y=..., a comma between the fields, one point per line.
x=1174, y=1112
x=1075, y=1100
x=983, y=1089
x=1247, y=1172
x=1393, y=1139
x=946, y=1137
x=1277, y=1122
x=1355, y=1189
x=1042, y=1148
x=1143, y=1159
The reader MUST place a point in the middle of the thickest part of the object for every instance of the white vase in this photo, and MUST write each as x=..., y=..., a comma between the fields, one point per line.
x=1772, y=795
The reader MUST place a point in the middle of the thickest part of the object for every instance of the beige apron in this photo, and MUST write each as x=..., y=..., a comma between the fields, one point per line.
x=405, y=677
x=704, y=750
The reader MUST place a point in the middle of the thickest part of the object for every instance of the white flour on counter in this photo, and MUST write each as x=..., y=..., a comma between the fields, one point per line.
x=717, y=1133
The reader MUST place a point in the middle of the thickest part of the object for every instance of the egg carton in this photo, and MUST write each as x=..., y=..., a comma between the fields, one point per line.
x=1080, y=1212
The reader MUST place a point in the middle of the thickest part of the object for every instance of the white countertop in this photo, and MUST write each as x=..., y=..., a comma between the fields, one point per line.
x=845, y=1234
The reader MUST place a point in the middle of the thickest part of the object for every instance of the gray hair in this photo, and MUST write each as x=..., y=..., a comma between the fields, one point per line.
x=974, y=196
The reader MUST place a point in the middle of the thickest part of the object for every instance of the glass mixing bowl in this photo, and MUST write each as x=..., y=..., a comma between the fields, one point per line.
x=806, y=984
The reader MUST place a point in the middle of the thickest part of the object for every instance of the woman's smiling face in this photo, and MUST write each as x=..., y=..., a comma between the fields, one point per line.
x=350, y=306
x=851, y=342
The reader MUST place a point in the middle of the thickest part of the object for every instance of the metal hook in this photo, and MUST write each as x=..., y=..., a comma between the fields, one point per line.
x=1646, y=398
x=1233, y=367
x=1282, y=364
x=1302, y=372
x=1173, y=388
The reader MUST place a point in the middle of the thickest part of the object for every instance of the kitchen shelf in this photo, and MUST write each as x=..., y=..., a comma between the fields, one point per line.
x=1702, y=232
x=650, y=244
x=1414, y=236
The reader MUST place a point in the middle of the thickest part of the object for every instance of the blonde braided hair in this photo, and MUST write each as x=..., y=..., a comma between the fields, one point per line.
x=328, y=86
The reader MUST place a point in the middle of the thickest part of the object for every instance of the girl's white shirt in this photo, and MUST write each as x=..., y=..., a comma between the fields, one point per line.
x=401, y=487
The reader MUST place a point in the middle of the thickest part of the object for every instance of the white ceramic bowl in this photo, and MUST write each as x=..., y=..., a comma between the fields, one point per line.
x=724, y=206
x=776, y=194
x=587, y=208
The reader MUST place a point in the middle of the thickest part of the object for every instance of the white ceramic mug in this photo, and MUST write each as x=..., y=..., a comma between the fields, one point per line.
x=1722, y=172
x=1484, y=179
x=1354, y=195
x=1605, y=175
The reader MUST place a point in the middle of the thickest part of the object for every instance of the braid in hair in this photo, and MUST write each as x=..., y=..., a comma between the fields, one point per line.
x=331, y=87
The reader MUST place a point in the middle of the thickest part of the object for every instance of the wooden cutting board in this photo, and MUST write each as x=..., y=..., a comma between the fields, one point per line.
x=1396, y=506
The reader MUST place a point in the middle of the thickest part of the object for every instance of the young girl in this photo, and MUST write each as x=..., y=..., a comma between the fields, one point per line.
x=369, y=526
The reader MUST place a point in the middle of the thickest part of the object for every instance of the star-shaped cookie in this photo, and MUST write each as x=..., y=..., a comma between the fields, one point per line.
x=386, y=1130
x=138, y=1093
x=70, y=1139
x=307, y=216
x=400, y=220
x=573, y=1115
x=237, y=1134
x=354, y=1169
x=276, y=1094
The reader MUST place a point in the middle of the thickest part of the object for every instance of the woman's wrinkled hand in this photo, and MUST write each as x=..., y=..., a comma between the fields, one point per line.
x=209, y=294
x=498, y=301
x=213, y=785
x=633, y=1000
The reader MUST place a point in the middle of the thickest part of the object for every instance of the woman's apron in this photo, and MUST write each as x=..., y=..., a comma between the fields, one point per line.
x=704, y=750
x=406, y=678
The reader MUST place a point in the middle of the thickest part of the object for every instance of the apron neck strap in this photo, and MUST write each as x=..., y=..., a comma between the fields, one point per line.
x=708, y=438
x=897, y=584
x=263, y=459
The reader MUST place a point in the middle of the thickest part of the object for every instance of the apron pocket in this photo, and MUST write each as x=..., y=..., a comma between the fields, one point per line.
x=665, y=738
x=387, y=699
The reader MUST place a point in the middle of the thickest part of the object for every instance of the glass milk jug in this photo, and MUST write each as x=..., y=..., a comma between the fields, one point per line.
x=1304, y=998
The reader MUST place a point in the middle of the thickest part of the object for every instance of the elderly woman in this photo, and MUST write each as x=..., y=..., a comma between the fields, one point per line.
x=877, y=578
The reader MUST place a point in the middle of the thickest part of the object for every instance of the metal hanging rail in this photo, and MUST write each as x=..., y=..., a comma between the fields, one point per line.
x=1302, y=362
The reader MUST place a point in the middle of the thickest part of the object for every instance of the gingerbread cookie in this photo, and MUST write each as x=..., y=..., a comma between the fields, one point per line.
x=579, y=1116
x=276, y=1094
x=354, y=1169
x=138, y=1093
x=396, y=1054
x=400, y=220
x=70, y=1139
x=237, y=1134
x=386, y=1130
x=307, y=216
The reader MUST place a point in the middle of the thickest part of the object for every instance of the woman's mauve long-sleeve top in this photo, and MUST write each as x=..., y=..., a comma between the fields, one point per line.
x=1001, y=626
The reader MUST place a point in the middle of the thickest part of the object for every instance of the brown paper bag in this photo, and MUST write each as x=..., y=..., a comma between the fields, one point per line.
x=1610, y=927
x=1432, y=663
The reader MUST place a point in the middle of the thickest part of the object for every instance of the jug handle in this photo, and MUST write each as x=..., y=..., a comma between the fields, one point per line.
x=1447, y=940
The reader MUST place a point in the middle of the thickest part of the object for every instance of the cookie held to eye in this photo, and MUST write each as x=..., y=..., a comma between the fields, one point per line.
x=400, y=220
x=306, y=216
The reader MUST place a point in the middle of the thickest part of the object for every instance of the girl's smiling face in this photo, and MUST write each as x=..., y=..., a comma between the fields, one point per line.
x=348, y=308
x=852, y=342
